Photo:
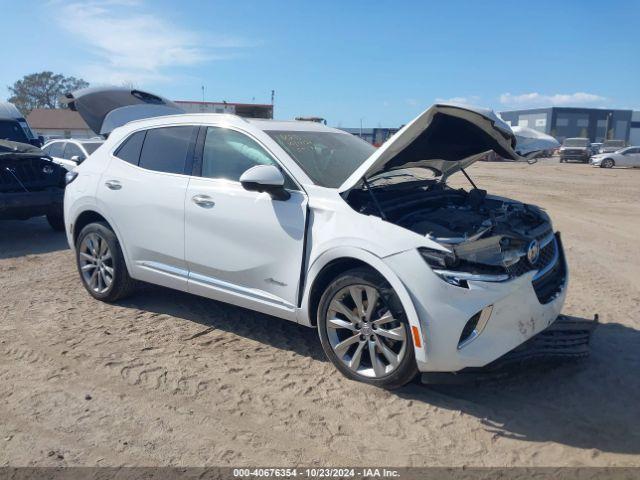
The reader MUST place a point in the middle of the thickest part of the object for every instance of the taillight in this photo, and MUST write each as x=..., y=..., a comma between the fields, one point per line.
x=70, y=177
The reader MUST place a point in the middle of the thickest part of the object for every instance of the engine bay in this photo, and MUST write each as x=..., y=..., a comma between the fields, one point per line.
x=477, y=228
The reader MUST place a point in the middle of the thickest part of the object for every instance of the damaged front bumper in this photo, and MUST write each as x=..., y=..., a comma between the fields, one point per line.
x=568, y=338
x=475, y=323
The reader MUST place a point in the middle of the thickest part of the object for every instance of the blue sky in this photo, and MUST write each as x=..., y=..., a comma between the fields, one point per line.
x=379, y=61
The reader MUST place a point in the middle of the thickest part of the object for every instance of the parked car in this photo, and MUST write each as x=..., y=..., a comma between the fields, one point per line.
x=609, y=146
x=625, y=157
x=398, y=272
x=595, y=148
x=31, y=184
x=14, y=127
x=70, y=153
x=575, y=149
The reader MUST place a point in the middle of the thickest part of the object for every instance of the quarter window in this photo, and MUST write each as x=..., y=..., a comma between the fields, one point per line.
x=130, y=150
x=228, y=154
x=166, y=149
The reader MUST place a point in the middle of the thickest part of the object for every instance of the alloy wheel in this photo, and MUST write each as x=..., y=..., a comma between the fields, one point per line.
x=96, y=263
x=363, y=332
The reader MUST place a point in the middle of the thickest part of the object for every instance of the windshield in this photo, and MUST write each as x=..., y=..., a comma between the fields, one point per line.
x=91, y=147
x=10, y=130
x=328, y=158
x=576, y=142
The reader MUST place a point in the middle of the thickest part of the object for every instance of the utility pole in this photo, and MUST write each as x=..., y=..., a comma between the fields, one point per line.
x=273, y=95
x=202, y=93
x=360, y=127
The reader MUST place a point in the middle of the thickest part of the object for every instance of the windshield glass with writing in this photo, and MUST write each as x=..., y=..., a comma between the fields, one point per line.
x=328, y=158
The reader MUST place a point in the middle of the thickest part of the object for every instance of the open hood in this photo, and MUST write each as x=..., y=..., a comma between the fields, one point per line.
x=445, y=138
x=106, y=108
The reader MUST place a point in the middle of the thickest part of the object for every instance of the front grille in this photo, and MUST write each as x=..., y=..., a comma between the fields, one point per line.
x=548, y=285
x=522, y=266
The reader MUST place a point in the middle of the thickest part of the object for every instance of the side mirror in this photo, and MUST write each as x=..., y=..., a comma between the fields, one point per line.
x=265, y=178
x=78, y=159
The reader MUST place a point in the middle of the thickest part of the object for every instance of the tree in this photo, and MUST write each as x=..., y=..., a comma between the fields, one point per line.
x=42, y=90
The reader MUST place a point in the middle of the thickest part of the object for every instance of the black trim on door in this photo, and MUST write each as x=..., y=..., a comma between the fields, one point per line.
x=189, y=161
x=196, y=164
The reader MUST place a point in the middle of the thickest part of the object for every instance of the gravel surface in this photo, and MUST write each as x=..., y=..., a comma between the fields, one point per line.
x=166, y=378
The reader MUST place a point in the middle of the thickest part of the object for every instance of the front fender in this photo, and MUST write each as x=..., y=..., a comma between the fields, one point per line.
x=383, y=269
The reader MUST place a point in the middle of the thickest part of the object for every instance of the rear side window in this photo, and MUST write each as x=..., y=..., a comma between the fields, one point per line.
x=166, y=149
x=130, y=150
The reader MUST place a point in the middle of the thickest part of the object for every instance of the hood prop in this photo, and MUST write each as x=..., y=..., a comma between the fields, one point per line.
x=374, y=198
x=469, y=178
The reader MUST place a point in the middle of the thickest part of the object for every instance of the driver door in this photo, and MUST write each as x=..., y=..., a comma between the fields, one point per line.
x=242, y=247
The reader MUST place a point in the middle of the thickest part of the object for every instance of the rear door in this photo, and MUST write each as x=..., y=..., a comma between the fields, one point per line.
x=242, y=247
x=143, y=191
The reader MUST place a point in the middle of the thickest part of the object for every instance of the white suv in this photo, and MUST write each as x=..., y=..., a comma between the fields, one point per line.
x=398, y=272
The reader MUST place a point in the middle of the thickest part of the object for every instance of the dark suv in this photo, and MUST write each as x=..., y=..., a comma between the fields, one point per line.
x=31, y=184
x=578, y=149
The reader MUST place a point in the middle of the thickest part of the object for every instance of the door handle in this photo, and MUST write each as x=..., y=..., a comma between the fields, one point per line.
x=113, y=184
x=203, y=201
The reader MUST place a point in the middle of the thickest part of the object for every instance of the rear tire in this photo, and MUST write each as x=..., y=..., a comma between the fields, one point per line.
x=101, y=264
x=379, y=347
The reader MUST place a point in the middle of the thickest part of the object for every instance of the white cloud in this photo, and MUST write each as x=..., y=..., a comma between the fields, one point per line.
x=536, y=99
x=133, y=45
x=471, y=100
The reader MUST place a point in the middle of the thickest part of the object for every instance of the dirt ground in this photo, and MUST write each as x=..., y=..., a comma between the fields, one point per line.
x=166, y=378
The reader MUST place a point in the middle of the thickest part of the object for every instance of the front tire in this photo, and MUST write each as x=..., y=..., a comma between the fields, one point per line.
x=607, y=163
x=101, y=263
x=364, y=331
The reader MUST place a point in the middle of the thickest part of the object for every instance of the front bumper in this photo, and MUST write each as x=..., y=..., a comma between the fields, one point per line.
x=520, y=308
x=568, y=338
x=22, y=205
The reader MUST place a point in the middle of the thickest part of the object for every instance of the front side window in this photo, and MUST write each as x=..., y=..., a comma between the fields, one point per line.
x=165, y=149
x=228, y=154
x=328, y=158
x=55, y=150
x=72, y=150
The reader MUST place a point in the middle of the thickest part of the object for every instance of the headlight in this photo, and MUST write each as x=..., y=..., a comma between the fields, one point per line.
x=457, y=272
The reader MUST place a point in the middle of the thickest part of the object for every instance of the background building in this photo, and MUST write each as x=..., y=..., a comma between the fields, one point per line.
x=58, y=123
x=249, y=110
x=593, y=123
x=375, y=136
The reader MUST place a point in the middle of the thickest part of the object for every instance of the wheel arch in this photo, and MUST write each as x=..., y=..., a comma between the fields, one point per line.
x=337, y=260
x=91, y=215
